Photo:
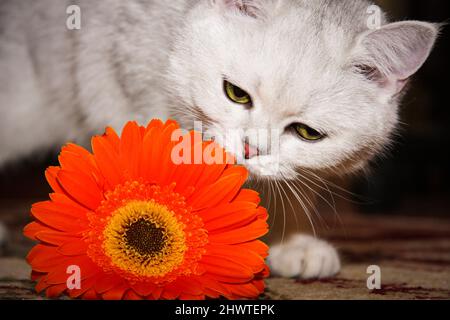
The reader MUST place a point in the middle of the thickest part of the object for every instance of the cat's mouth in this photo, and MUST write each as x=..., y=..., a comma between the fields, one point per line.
x=250, y=151
x=259, y=161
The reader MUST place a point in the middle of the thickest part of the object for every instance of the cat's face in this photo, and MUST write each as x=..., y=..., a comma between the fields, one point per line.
x=285, y=91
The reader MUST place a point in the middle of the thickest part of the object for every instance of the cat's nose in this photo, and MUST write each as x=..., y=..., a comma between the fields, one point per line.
x=250, y=151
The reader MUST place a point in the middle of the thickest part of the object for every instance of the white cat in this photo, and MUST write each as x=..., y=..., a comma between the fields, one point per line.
x=316, y=71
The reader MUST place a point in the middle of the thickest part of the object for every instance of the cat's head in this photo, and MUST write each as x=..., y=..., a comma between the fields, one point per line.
x=313, y=74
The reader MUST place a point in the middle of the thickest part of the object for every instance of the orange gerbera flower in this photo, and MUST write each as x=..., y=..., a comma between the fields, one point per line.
x=138, y=226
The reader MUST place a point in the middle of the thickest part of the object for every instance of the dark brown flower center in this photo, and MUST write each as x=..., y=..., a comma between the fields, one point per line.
x=145, y=237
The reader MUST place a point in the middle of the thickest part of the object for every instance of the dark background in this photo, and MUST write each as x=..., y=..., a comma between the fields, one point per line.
x=412, y=179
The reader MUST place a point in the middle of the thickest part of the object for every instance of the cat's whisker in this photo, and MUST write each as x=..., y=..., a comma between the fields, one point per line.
x=284, y=210
x=331, y=204
x=308, y=199
x=305, y=206
x=290, y=203
x=298, y=195
x=320, y=180
x=268, y=195
x=327, y=184
x=272, y=188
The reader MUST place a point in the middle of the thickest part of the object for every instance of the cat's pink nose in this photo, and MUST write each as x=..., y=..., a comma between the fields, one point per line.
x=250, y=151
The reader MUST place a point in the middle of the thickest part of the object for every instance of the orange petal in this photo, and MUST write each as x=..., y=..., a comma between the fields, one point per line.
x=86, y=284
x=185, y=176
x=223, y=210
x=223, y=190
x=143, y=289
x=50, y=175
x=67, y=205
x=246, y=290
x=150, y=146
x=106, y=282
x=113, y=139
x=55, y=237
x=156, y=294
x=185, y=296
x=226, y=270
x=130, y=150
x=262, y=213
x=170, y=293
x=81, y=187
x=40, y=250
x=115, y=293
x=188, y=173
x=248, y=195
x=59, y=273
x=56, y=290
x=210, y=174
x=154, y=123
x=256, y=245
x=211, y=293
x=41, y=285
x=259, y=285
x=131, y=295
x=54, y=208
x=210, y=283
x=170, y=122
x=48, y=263
x=73, y=248
x=156, y=151
x=50, y=215
x=239, y=255
x=91, y=294
x=187, y=285
x=33, y=228
x=78, y=159
x=163, y=176
x=35, y=275
x=231, y=221
x=255, y=230
x=107, y=160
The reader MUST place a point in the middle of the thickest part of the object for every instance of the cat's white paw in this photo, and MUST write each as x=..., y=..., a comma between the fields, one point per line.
x=304, y=257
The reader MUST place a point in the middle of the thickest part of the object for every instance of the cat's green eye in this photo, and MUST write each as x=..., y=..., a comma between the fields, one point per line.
x=308, y=133
x=236, y=94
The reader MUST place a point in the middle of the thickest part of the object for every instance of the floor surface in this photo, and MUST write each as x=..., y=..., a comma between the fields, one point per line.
x=414, y=258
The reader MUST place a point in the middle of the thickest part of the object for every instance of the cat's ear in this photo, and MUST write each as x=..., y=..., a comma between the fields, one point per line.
x=393, y=53
x=251, y=8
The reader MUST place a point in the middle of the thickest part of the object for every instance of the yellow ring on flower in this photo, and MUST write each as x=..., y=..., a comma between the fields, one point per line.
x=145, y=238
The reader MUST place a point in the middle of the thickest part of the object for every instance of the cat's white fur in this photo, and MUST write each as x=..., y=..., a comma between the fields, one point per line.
x=301, y=61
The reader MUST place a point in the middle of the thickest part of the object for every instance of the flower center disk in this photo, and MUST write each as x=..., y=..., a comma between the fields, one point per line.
x=144, y=238
x=145, y=232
